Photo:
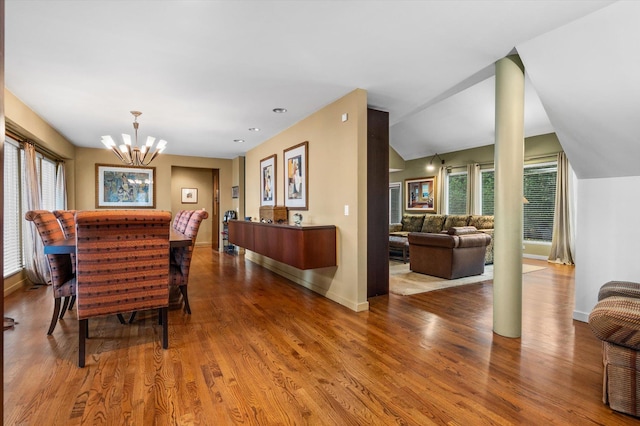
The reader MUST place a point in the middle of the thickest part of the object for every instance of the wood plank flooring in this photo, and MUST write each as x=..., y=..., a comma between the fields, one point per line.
x=261, y=350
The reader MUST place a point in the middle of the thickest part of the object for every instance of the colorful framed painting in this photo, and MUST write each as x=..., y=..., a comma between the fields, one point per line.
x=420, y=194
x=189, y=195
x=296, y=182
x=267, y=181
x=125, y=187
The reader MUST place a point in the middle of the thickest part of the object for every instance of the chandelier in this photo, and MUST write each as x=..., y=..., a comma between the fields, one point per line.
x=134, y=155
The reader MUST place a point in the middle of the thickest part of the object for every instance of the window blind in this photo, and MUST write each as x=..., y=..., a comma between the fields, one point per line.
x=12, y=235
x=457, y=193
x=540, y=191
x=395, y=203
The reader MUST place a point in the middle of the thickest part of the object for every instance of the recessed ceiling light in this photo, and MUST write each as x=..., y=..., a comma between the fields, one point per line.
x=254, y=129
x=279, y=110
x=238, y=140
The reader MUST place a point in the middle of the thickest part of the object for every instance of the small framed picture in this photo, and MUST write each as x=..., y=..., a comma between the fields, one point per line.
x=235, y=191
x=189, y=195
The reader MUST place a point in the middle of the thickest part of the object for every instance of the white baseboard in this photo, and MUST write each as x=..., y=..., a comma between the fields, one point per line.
x=535, y=256
x=580, y=316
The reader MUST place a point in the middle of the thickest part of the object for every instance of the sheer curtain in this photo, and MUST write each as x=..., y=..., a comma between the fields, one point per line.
x=562, y=237
x=35, y=262
x=473, y=188
x=61, y=187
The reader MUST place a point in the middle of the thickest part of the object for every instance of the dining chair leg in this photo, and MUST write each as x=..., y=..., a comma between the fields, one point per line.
x=54, y=319
x=165, y=328
x=73, y=301
x=65, y=305
x=183, y=290
x=83, y=332
x=132, y=317
x=121, y=319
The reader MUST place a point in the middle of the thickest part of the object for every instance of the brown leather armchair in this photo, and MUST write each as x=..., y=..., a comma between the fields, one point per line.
x=456, y=254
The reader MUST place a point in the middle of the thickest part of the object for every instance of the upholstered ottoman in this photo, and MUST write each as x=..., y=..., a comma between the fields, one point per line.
x=399, y=244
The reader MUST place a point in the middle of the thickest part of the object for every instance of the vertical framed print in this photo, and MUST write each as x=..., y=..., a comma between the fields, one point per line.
x=296, y=182
x=267, y=181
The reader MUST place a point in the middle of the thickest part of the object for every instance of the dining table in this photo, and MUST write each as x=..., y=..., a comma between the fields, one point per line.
x=176, y=239
x=68, y=246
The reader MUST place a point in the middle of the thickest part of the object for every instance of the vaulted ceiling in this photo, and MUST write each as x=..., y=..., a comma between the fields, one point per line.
x=204, y=72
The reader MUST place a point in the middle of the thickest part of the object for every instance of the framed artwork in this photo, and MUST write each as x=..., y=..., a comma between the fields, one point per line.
x=235, y=191
x=420, y=194
x=267, y=181
x=125, y=187
x=189, y=195
x=296, y=182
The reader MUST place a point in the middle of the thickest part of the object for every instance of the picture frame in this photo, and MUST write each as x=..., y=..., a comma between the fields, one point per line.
x=125, y=187
x=296, y=182
x=189, y=195
x=235, y=191
x=421, y=194
x=268, y=178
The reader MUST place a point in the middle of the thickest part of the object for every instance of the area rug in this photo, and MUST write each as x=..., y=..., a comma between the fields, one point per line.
x=404, y=282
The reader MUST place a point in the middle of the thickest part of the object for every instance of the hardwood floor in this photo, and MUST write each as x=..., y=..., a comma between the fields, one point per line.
x=259, y=349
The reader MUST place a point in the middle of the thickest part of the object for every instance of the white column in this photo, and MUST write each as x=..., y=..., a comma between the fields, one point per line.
x=509, y=165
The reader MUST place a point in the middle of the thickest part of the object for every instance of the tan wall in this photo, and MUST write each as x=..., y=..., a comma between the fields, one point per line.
x=396, y=162
x=20, y=117
x=166, y=191
x=337, y=177
x=201, y=179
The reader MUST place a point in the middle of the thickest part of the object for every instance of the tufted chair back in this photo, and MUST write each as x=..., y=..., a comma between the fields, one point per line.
x=60, y=265
x=67, y=219
x=181, y=264
x=182, y=217
x=123, y=264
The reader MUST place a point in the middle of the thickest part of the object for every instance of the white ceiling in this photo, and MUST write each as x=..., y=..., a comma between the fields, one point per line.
x=204, y=72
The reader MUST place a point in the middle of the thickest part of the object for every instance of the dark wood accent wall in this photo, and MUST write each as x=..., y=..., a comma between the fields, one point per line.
x=377, y=202
x=303, y=247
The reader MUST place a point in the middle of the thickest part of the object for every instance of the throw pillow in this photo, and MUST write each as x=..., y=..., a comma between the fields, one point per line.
x=433, y=223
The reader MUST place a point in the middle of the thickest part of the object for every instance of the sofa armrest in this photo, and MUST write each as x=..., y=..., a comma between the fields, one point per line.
x=616, y=320
x=434, y=240
x=395, y=227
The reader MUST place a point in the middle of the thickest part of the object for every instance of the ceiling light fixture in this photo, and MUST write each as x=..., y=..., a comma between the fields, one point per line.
x=134, y=155
x=279, y=110
x=254, y=129
x=238, y=140
x=430, y=166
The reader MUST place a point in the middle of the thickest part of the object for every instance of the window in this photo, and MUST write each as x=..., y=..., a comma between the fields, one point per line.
x=487, y=187
x=12, y=239
x=540, y=191
x=48, y=183
x=395, y=202
x=15, y=201
x=457, y=193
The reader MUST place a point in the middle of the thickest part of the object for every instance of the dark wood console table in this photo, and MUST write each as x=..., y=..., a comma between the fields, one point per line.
x=304, y=247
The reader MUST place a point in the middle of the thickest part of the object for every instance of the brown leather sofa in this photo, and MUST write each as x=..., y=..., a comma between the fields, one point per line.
x=456, y=254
